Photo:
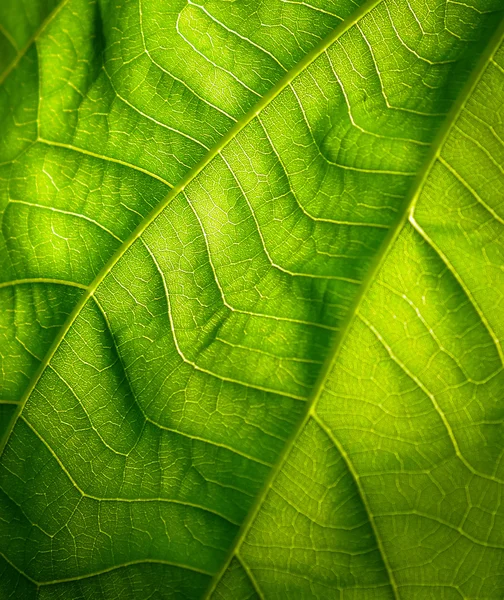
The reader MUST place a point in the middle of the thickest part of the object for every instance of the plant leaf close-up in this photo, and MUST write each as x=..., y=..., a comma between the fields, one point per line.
x=251, y=295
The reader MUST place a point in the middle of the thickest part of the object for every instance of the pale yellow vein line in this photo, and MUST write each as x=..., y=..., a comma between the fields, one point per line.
x=164, y=427
x=130, y=563
x=14, y=566
x=414, y=52
x=291, y=188
x=457, y=528
x=33, y=280
x=270, y=354
x=105, y=158
x=462, y=284
x=383, y=93
x=486, y=124
x=208, y=60
x=250, y=575
x=315, y=8
x=9, y=37
x=242, y=37
x=363, y=497
x=496, y=64
x=473, y=192
x=432, y=398
x=478, y=144
x=263, y=241
x=124, y=565
x=221, y=290
x=433, y=335
x=119, y=499
x=66, y=212
x=163, y=70
x=150, y=118
x=84, y=409
x=192, y=363
x=33, y=39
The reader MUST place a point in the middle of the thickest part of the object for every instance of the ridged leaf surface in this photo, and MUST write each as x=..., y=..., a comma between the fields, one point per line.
x=203, y=204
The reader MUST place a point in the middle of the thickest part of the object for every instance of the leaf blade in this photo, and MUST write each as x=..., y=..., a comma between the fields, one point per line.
x=134, y=282
x=336, y=420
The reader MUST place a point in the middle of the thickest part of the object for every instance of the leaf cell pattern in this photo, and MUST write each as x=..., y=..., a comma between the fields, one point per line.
x=195, y=341
x=393, y=486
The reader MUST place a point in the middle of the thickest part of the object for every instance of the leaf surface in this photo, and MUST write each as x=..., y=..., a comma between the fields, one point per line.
x=164, y=401
x=103, y=108
x=392, y=486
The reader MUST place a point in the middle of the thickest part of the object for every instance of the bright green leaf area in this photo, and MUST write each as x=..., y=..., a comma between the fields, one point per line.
x=392, y=486
x=107, y=109
x=202, y=204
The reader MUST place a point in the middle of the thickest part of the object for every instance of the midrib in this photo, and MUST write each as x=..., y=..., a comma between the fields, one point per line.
x=283, y=83
x=405, y=214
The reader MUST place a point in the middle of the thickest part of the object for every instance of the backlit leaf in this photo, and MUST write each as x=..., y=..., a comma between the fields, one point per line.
x=202, y=204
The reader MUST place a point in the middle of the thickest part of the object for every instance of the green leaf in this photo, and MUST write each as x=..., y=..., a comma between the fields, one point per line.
x=392, y=485
x=148, y=427
x=103, y=108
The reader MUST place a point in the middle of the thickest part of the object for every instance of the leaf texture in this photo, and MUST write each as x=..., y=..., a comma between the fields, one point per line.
x=200, y=320
x=104, y=107
x=392, y=487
